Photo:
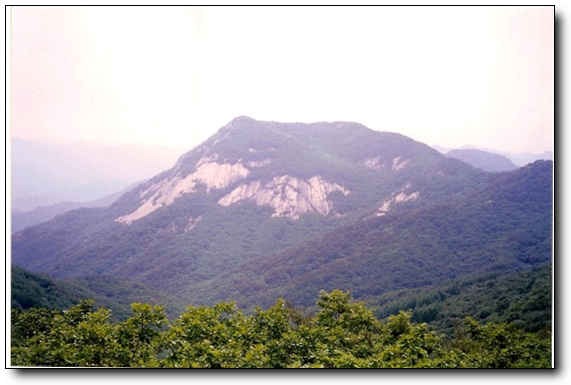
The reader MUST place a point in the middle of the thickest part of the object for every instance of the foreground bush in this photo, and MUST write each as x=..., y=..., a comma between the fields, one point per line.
x=342, y=334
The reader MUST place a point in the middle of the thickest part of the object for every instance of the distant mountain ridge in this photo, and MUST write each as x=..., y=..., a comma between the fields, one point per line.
x=45, y=174
x=483, y=160
x=268, y=209
x=21, y=220
x=520, y=159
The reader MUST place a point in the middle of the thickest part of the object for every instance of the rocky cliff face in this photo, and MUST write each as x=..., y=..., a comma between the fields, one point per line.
x=211, y=174
x=288, y=196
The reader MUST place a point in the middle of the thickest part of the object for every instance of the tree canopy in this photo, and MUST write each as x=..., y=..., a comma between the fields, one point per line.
x=341, y=334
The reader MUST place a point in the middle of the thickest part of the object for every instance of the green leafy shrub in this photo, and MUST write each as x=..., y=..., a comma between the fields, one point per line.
x=341, y=334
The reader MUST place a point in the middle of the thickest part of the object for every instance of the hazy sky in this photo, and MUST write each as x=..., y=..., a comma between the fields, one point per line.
x=170, y=75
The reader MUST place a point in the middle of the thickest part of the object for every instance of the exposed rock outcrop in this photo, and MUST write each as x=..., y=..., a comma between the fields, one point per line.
x=289, y=196
x=397, y=164
x=212, y=174
x=401, y=196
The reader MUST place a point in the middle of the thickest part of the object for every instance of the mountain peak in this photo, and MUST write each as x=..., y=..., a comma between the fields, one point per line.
x=242, y=119
x=286, y=166
x=241, y=122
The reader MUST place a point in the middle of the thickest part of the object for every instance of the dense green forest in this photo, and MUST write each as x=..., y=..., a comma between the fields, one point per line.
x=341, y=334
x=523, y=299
x=32, y=290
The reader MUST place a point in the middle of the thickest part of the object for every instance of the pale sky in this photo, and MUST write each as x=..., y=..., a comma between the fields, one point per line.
x=173, y=75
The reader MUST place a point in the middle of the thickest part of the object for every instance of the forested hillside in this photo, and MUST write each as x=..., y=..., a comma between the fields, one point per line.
x=523, y=299
x=31, y=290
x=503, y=226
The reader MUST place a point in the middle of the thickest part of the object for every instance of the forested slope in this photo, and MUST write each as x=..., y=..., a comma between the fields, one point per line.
x=505, y=226
x=523, y=298
x=31, y=290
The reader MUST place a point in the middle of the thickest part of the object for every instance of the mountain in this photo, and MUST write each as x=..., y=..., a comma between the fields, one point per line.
x=267, y=209
x=43, y=174
x=483, y=160
x=21, y=220
x=517, y=158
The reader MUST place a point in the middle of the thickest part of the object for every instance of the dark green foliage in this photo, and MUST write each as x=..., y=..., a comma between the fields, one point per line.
x=523, y=299
x=501, y=345
x=342, y=334
x=82, y=337
x=34, y=290
x=31, y=290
